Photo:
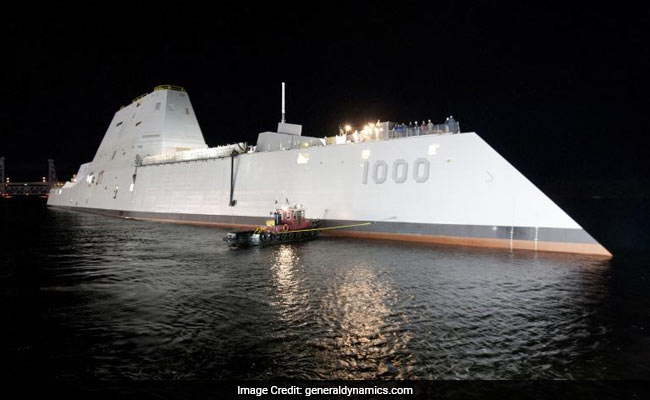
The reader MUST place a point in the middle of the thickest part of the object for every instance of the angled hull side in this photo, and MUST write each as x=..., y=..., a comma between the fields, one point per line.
x=452, y=189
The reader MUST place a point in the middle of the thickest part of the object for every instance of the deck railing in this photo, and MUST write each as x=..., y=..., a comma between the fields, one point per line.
x=169, y=87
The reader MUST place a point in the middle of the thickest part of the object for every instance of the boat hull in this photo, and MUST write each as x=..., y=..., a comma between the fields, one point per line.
x=520, y=238
x=252, y=238
x=435, y=188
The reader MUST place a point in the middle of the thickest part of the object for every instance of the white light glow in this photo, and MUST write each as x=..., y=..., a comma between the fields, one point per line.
x=303, y=158
x=433, y=149
x=365, y=154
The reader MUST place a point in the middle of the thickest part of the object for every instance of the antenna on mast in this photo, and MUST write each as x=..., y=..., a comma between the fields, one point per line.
x=283, y=111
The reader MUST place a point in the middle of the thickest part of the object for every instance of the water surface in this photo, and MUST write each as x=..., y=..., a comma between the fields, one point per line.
x=88, y=296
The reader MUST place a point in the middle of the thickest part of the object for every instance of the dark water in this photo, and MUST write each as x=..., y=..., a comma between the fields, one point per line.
x=87, y=296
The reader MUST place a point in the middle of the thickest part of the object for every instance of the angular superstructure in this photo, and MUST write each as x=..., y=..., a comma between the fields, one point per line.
x=434, y=186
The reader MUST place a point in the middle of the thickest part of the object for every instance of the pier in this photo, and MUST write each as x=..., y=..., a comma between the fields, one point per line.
x=41, y=188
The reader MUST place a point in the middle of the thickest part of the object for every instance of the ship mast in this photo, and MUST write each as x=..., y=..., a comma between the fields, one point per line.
x=283, y=110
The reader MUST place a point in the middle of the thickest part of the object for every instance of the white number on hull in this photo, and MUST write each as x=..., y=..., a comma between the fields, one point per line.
x=421, y=170
x=377, y=176
x=400, y=171
x=400, y=176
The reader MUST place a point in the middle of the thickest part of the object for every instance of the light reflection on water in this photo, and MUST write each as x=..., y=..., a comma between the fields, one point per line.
x=288, y=283
x=353, y=311
x=128, y=299
x=369, y=340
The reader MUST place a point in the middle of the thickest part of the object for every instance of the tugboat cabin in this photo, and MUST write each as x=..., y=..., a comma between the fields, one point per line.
x=292, y=217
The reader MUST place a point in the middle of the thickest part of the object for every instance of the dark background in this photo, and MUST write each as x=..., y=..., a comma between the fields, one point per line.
x=559, y=91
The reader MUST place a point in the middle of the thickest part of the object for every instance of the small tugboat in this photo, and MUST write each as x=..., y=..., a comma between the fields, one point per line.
x=288, y=225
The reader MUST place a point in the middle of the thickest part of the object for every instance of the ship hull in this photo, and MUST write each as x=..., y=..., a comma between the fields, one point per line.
x=560, y=240
x=435, y=188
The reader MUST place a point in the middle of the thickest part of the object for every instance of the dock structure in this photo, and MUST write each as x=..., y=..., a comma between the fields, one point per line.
x=41, y=188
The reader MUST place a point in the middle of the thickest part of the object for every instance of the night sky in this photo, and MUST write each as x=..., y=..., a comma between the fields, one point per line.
x=560, y=92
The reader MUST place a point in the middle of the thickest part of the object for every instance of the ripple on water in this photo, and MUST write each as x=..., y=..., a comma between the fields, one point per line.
x=140, y=300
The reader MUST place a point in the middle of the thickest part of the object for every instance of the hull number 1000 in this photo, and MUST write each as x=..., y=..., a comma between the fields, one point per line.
x=380, y=171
